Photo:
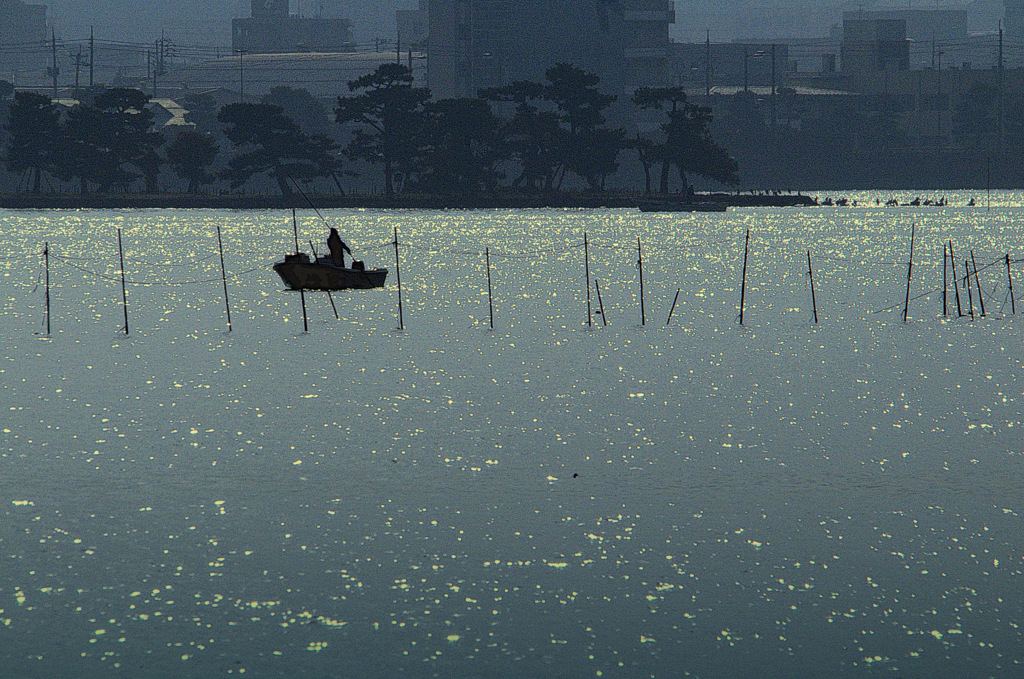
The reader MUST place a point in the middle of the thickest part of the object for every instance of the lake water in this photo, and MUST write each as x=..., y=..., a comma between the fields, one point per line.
x=547, y=499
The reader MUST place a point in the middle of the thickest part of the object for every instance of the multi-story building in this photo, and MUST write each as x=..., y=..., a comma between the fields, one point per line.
x=271, y=30
x=871, y=45
x=475, y=44
x=1014, y=17
x=413, y=26
x=22, y=32
x=928, y=31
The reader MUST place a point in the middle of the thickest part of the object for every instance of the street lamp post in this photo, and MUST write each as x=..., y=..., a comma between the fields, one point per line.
x=241, y=77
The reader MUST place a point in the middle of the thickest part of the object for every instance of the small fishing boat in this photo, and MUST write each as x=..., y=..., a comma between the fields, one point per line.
x=299, y=272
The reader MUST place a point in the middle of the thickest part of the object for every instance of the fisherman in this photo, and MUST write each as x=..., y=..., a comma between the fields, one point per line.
x=337, y=248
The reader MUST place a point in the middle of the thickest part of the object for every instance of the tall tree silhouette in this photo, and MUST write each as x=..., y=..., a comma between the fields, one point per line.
x=111, y=142
x=389, y=121
x=463, y=148
x=269, y=142
x=34, y=127
x=532, y=136
x=687, y=144
x=190, y=155
x=592, y=149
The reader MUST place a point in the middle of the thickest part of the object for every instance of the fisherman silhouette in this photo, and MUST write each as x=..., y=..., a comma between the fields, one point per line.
x=337, y=248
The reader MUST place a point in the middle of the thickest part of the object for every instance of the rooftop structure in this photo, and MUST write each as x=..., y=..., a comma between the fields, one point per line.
x=324, y=75
x=271, y=30
x=22, y=25
x=475, y=44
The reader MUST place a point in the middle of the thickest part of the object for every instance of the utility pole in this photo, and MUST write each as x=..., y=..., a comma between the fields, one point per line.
x=746, y=70
x=241, y=78
x=78, y=66
x=156, y=65
x=53, y=68
x=92, y=54
x=707, y=65
x=939, y=106
x=773, y=87
x=1002, y=129
x=398, y=49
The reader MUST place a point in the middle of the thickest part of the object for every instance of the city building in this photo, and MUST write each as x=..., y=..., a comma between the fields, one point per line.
x=701, y=67
x=413, y=26
x=871, y=45
x=22, y=35
x=1014, y=17
x=475, y=44
x=929, y=31
x=271, y=30
x=252, y=76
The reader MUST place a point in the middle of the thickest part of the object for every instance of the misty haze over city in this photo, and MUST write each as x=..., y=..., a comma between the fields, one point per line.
x=196, y=22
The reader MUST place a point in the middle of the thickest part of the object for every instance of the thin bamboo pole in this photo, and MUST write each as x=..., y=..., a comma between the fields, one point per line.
x=640, y=266
x=295, y=230
x=977, y=281
x=810, y=274
x=46, y=260
x=967, y=280
x=945, y=284
x=334, y=308
x=599, y=302
x=743, y=284
x=956, y=285
x=490, y=294
x=398, y=277
x=224, y=277
x=124, y=292
x=910, y=271
x=586, y=270
x=1009, y=277
x=670, y=311
x=305, y=318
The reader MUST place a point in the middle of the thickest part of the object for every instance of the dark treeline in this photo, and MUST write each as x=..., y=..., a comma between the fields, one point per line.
x=874, y=141
x=528, y=137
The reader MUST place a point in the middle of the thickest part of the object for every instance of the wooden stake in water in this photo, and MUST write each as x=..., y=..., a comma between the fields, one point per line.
x=599, y=302
x=743, y=284
x=334, y=308
x=330, y=297
x=586, y=270
x=945, y=284
x=810, y=274
x=224, y=277
x=640, y=266
x=1009, y=277
x=490, y=294
x=302, y=292
x=124, y=293
x=398, y=278
x=967, y=284
x=977, y=281
x=956, y=286
x=46, y=260
x=910, y=271
x=676, y=299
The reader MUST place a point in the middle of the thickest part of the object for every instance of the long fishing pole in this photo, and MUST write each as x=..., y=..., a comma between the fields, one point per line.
x=310, y=202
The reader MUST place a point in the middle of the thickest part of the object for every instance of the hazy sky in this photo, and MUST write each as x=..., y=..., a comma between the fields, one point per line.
x=209, y=22
x=203, y=21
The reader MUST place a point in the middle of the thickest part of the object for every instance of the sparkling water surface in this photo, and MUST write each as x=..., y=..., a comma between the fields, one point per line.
x=547, y=499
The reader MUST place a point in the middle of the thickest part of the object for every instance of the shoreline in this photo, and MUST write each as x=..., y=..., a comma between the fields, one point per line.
x=704, y=202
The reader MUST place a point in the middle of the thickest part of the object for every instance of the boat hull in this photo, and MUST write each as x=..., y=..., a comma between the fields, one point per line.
x=319, y=275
